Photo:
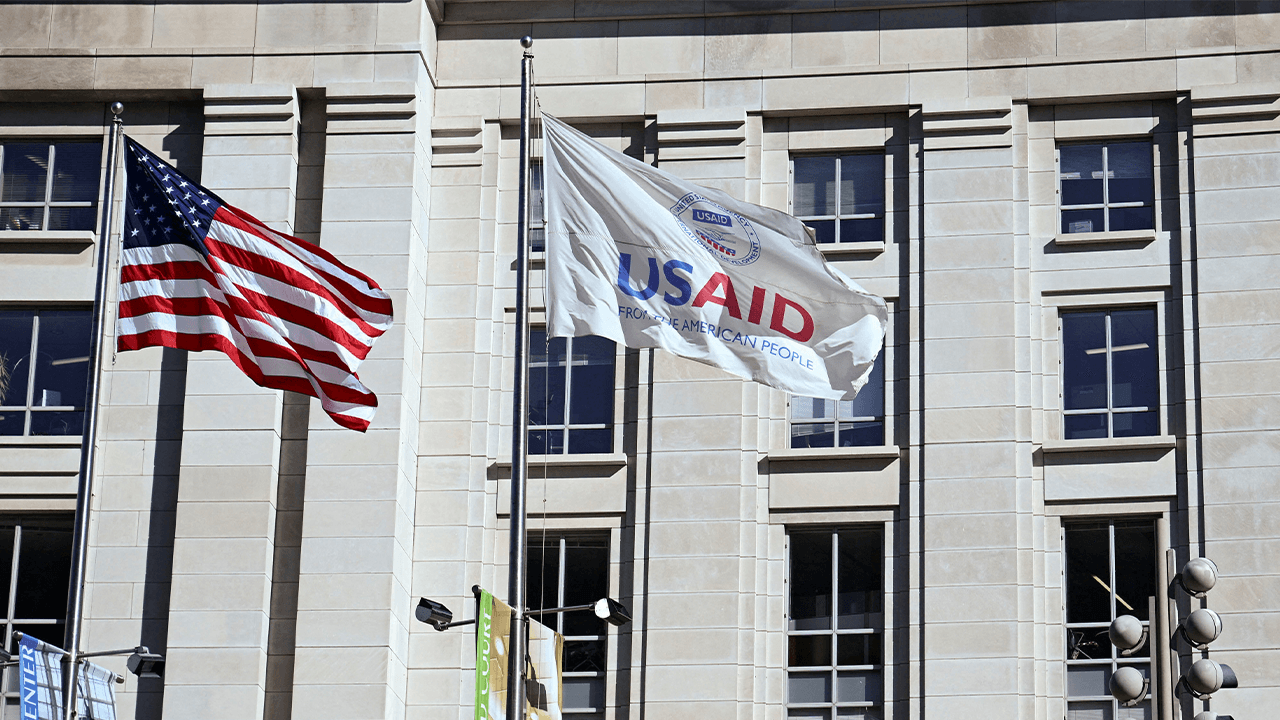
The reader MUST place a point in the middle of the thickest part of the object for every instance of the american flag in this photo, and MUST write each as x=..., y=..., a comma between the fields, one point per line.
x=198, y=274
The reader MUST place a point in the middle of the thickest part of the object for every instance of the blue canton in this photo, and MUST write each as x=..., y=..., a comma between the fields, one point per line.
x=163, y=206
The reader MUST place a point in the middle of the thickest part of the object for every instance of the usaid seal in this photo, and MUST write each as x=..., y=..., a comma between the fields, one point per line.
x=725, y=234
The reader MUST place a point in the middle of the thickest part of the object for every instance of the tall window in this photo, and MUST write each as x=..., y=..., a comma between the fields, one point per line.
x=1106, y=187
x=569, y=570
x=1110, y=374
x=816, y=422
x=537, y=211
x=44, y=357
x=49, y=185
x=35, y=555
x=835, y=655
x=570, y=395
x=1110, y=571
x=841, y=197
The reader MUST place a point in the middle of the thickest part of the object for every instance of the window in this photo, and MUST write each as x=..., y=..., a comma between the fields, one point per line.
x=47, y=396
x=841, y=198
x=35, y=554
x=1110, y=571
x=537, y=212
x=1106, y=187
x=835, y=624
x=1110, y=374
x=570, y=394
x=816, y=422
x=564, y=571
x=49, y=185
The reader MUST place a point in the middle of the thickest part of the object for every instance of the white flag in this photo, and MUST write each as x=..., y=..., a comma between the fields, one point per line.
x=647, y=259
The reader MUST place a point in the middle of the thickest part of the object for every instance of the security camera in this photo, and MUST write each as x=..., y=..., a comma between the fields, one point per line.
x=1206, y=677
x=1198, y=576
x=1202, y=627
x=612, y=611
x=433, y=613
x=1128, y=685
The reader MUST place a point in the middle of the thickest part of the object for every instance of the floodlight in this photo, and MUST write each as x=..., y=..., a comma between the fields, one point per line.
x=612, y=611
x=1202, y=627
x=433, y=613
x=1128, y=685
x=1198, y=576
x=1209, y=715
x=146, y=664
x=1127, y=634
x=1207, y=677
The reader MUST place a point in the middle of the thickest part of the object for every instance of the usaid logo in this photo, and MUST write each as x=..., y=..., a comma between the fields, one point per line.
x=726, y=235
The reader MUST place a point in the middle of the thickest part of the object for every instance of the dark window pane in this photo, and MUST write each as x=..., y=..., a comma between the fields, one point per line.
x=870, y=399
x=586, y=581
x=15, y=349
x=812, y=408
x=21, y=218
x=809, y=650
x=1132, y=218
x=1129, y=173
x=26, y=171
x=861, y=185
x=63, y=359
x=863, y=230
x=592, y=395
x=44, y=569
x=1081, y=175
x=1082, y=221
x=862, y=434
x=52, y=633
x=12, y=422
x=57, y=423
x=811, y=581
x=79, y=218
x=815, y=186
x=546, y=442
x=1135, y=568
x=812, y=435
x=1134, y=366
x=1081, y=427
x=6, y=566
x=858, y=686
x=595, y=440
x=1087, y=680
x=824, y=231
x=584, y=656
x=861, y=649
x=860, y=581
x=1088, y=552
x=536, y=211
x=585, y=693
x=1084, y=360
x=544, y=576
x=796, y=713
x=546, y=395
x=76, y=170
x=809, y=687
x=1135, y=424
x=537, y=239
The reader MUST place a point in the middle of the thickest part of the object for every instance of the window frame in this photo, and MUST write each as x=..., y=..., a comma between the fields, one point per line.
x=883, y=668
x=48, y=204
x=886, y=195
x=1109, y=411
x=1106, y=206
x=614, y=425
x=1114, y=661
x=837, y=421
x=10, y=619
x=29, y=407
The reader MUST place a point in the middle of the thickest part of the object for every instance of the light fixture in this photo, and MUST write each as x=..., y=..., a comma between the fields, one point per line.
x=146, y=664
x=612, y=611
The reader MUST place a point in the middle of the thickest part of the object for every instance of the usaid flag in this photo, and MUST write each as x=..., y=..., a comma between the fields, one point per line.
x=646, y=259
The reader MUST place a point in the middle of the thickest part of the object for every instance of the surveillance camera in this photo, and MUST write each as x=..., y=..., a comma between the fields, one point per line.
x=433, y=613
x=1199, y=576
x=1128, y=685
x=1202, y=627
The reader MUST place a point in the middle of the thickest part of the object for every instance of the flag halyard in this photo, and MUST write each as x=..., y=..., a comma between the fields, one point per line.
x=198, y=274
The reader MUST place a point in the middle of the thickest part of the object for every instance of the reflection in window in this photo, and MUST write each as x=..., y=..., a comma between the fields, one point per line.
x=1106, y=187
x=566, y=570
x=35, y=570
x=537, y=210
x=859, y=422
x=1110, y=571
x=841, y=198
x=835, y=653
x=44, y=363
x=49, y=186
x=570, y=394
x=1110, y=374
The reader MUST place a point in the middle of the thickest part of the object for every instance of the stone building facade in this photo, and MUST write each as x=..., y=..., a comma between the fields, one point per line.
x=1071, y=209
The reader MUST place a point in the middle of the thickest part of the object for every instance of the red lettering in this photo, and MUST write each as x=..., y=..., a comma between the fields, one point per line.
x=780, y=305
x=730, y=300
x=757, y=305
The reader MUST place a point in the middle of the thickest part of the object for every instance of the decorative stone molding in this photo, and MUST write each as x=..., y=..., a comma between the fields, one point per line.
x=716, y=134
x=380, y=107
x=250, y=110
x=968, y=124
x=457, y=141
x=1237, y=109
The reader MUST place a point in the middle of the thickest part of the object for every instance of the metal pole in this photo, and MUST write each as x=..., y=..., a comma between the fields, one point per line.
x=1160, y=652
x=520, y=417
x=84, y=492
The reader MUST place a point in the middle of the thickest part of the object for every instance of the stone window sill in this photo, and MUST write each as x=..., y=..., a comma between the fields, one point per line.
x=1105, y=444
x=1106, y=238
x=47, y=237
x=874, y=451
x=871, y=247
x=583, y=460
x=41, y=441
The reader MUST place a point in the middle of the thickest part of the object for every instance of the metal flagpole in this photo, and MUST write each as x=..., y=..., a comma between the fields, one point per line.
x=84, y=493
x=520, y=419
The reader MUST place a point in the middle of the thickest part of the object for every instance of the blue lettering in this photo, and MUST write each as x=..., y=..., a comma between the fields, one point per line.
x=624, y=277
x=677, y=282
x=715, y=218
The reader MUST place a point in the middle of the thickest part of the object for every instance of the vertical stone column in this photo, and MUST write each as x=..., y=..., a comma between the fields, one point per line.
x=975, y=464
x=225, y=525
x=354, y=606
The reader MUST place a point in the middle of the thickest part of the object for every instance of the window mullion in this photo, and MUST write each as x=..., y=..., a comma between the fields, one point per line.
x=1106, y=326
x=560, y=582
x=1106, y=192
x=568, y=388
x=48, y=189
x=835, y=601
x=31, y=373
x=836, y=209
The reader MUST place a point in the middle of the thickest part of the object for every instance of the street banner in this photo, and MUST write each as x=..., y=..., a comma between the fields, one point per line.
x=40, y=684
x=647, y=259
x=543, y=677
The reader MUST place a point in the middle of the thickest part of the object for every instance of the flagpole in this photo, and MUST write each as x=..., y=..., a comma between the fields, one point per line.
x=520, y=418
x=84, y=492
